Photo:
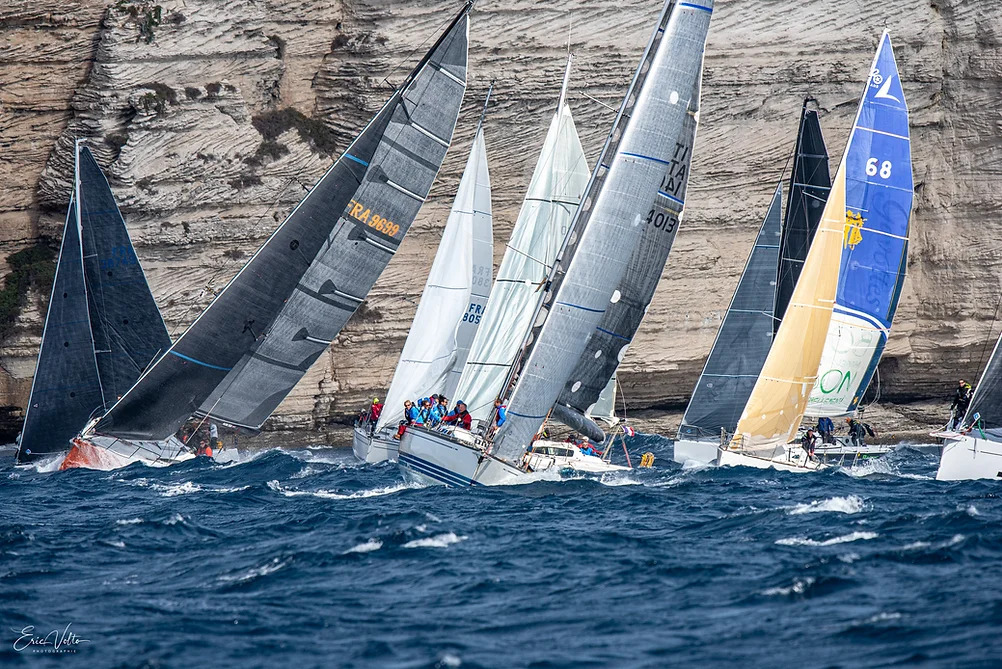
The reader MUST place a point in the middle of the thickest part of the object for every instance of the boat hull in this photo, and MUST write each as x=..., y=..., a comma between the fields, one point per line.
x=374, y=448
x=437, y=458
x=690, y=450
x=791, y=462
x=966, y=458
x=106, y=453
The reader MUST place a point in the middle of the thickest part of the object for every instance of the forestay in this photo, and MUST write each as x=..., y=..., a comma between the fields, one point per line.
x=810, y=182
x=559, y=179
x=454, y=296
x=261, y=334
x=878, y=203
x=743, y=340
x=626, y=187
x=986, y=405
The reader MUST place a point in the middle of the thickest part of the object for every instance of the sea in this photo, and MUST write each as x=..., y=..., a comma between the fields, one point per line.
x=306, y=558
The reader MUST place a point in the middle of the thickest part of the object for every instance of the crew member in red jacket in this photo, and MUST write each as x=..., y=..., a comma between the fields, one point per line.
x=460, y=416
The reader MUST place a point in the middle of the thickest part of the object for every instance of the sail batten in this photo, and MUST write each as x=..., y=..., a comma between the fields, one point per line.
x=620, y=203
x=342, y=234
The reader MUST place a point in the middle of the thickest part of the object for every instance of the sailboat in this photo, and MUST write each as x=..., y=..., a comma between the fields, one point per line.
x=974, y=450
x=102, y=328
x=625, y=196
x=450, y=311
x=860, y=232
x=246, y=352
x=759, y=302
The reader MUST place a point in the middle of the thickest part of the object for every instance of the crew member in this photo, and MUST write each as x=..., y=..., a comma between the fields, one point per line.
x=500, y=413
x=961, y=400
x=460, y=416
x=826, y=428
x=412, y=416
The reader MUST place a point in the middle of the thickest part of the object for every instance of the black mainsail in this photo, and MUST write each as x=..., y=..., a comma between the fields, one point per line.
x=102, y=328
x=810, y=183
x=261, y=334
x=743, y=340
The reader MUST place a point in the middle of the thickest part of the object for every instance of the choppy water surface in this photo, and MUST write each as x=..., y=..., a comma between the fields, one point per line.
x=305, y=558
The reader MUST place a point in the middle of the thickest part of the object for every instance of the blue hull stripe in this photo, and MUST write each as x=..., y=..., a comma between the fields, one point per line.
x=407, y=463
x=199, y=362
x=435, y=471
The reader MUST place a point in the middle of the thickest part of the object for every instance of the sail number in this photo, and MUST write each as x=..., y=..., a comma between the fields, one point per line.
x=884, y=169
x=121, y=256
x=360, y=212
x=661, y=220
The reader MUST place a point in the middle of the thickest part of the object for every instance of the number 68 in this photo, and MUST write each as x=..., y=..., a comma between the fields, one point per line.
x=885, y=168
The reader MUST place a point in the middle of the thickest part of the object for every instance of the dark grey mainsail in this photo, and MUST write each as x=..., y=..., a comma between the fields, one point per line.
x=126, y=325
x=258, y=338
x=743, y=340
x=66, y=387
x=102, y=328
x=630, y=192
x=809, y=187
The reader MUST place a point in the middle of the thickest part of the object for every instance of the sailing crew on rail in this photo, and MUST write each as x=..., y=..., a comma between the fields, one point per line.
x=439, y=408
x=412, y=416
x=460, y=416
x=500, y=413
x=826, y=428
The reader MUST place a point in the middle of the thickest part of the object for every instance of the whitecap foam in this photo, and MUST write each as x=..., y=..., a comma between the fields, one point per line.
x=849, y=505
x=175, y=519
x=330, y=494
x=365, y=547
x=175, y=489
x=437, y=541
x=117, y=544
x=129, y=521
x=450, y=660
x=844, y=539
x=972, y=511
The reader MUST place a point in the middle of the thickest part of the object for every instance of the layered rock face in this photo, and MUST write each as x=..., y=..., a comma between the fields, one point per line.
x=213, y=118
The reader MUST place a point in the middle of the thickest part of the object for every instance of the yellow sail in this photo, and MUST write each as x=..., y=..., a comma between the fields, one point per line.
x=776, y=406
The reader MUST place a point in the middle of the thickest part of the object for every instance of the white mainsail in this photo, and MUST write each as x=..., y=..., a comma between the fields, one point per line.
x=559, y=179
x=454, y=296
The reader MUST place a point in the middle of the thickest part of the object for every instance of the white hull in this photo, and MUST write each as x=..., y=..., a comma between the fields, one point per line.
x=795, y=460
x=844, y=447
x=374, y=448
x=965, y=458
x=438, y=458
x=106, y=453
x=701, y=452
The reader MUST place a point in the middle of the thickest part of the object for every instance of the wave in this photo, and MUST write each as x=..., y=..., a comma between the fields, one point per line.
x=330, y=494
x=437, y=541
x=848, y=505
x=365, y=547
x=844, y=539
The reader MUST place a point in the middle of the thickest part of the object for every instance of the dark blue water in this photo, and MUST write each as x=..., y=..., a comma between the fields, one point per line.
x=307, y=559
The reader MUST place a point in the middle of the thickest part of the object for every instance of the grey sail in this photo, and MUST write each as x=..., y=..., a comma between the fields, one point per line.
x=743, y=340
x=127, y=328
x=66, y=388
x=810, y=183
x=626, y=191
x=261, y=334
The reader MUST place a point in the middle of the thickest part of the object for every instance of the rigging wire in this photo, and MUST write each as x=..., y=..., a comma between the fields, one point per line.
x=988, y=339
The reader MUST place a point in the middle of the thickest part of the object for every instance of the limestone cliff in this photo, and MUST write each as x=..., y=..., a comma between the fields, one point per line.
x=212, y=117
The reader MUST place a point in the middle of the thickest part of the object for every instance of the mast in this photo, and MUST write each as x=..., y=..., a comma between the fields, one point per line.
x=626, y=190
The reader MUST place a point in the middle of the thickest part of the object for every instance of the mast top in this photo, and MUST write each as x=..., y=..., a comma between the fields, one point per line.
x=483, y=113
